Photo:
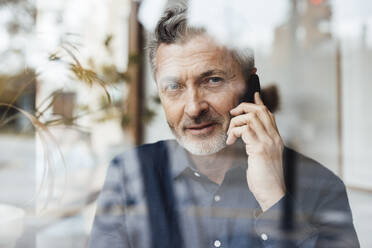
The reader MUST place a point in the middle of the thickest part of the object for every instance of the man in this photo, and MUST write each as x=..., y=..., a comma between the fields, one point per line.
x=227, y=180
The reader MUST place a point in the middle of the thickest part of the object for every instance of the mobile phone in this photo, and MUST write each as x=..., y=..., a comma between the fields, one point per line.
x=252, y=86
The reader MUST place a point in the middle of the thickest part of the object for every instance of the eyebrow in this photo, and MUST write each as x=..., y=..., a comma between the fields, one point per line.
x=201, y=76
x=168, y=79
x=212, y=72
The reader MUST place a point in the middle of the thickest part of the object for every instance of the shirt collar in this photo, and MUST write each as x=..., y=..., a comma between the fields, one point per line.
x=180, y=161
x=178, y=158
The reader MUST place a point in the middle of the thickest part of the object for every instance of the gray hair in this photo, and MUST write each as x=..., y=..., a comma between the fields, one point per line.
x=173, y=28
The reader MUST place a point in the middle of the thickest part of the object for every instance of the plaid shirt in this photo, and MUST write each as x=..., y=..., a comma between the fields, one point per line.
x=154, y=197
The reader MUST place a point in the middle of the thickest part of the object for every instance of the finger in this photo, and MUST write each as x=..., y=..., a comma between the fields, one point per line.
x=249, y=136
x=257, y=99
x=273, y=121
x=244, y=108
x=240, y=120
x=233, y=134
x=261, y=111
x=251, y=120
x=245, y=132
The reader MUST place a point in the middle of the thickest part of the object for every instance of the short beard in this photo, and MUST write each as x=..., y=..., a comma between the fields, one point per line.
x=204, y=146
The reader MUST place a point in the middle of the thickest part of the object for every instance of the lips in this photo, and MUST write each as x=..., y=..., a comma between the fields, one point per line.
x=202, y=129
x=201, y=126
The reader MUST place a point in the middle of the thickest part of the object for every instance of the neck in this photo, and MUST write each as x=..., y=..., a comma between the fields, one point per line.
x=214, y=166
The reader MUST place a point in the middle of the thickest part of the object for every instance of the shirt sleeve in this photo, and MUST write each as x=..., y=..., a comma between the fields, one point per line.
x=288, y=224
x=333, y=217
x=109, y=229
x=275, y=230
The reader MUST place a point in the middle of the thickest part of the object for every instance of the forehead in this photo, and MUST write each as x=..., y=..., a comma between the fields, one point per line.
x=192, y=58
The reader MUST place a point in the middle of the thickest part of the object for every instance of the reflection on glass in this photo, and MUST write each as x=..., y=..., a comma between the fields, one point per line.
x=200, y=160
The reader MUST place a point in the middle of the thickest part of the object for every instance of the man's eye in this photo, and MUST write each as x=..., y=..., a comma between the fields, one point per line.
x=172, y=86
x=215, y=80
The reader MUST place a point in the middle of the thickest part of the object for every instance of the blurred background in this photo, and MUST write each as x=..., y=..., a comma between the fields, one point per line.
x=76, y=89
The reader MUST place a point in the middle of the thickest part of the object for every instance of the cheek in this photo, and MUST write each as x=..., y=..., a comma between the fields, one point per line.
x=173, y=112
x=223, y=102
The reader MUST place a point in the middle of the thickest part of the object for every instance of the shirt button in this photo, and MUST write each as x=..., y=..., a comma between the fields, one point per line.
x=217, y=198
x=196, y=174
x=217, y=243
x=264, y=236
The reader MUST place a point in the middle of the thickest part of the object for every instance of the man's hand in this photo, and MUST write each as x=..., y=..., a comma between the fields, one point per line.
x=255, y=124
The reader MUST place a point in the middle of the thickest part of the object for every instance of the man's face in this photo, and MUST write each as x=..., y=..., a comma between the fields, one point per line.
x=199, y=83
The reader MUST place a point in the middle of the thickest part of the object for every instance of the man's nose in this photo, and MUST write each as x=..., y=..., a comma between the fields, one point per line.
x=195, y=103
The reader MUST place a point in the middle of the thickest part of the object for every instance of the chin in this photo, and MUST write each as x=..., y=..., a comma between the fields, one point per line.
x=203, y=146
